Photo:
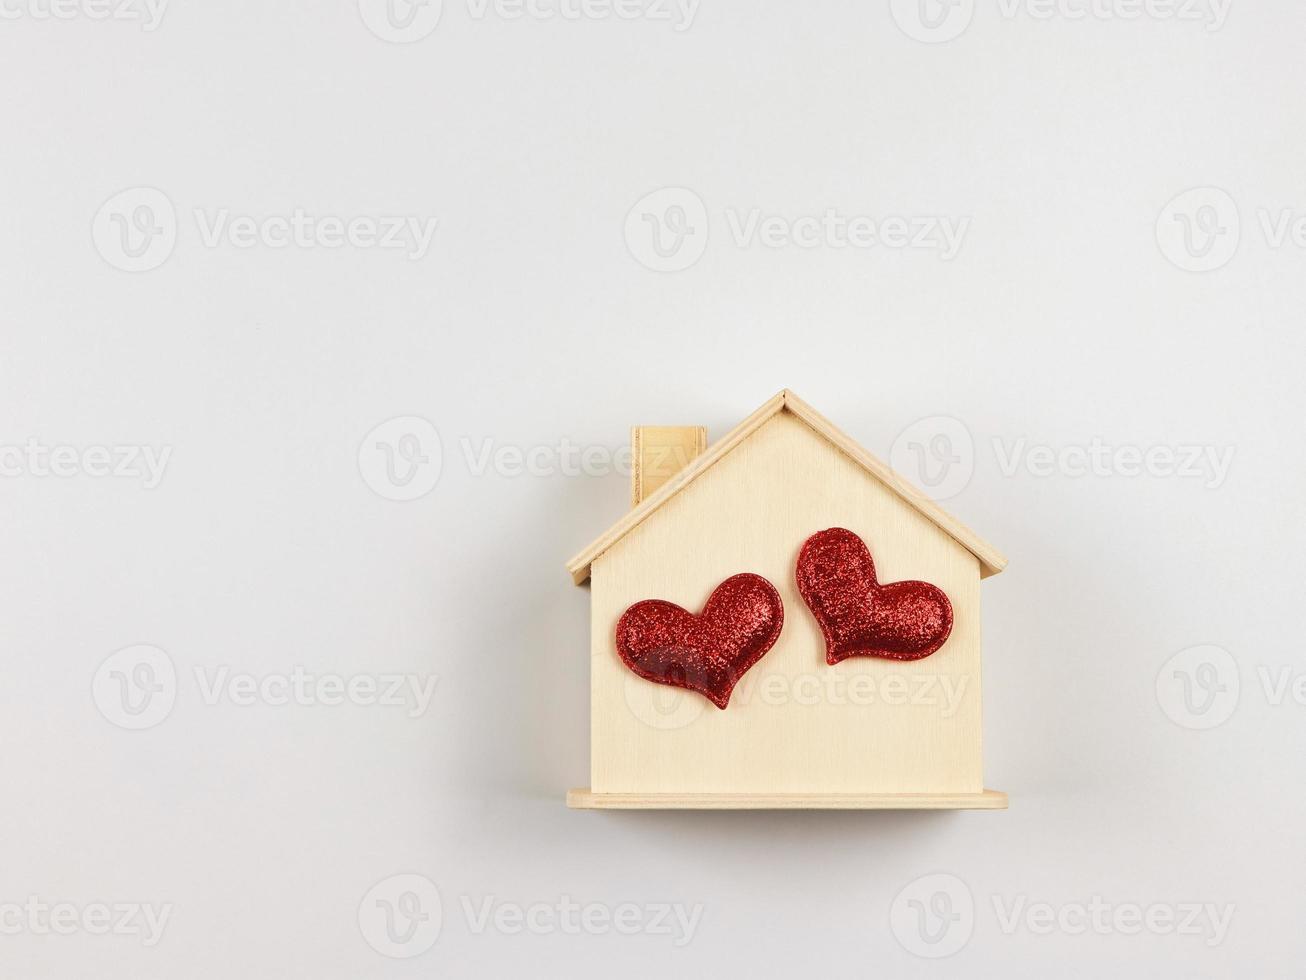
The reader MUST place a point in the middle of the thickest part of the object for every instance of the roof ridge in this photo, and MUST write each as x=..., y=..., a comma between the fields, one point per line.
x=991, y=560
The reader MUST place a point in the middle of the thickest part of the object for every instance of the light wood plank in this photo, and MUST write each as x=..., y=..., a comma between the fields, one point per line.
x=584, y=799
x=659, y=452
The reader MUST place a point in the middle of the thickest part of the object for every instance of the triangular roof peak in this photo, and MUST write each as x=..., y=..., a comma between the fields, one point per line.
x=990, y=559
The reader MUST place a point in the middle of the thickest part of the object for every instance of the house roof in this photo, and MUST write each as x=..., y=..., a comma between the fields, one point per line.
x=990, y=559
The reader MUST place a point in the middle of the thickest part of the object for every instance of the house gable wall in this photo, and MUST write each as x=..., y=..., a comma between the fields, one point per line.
x=794, y=724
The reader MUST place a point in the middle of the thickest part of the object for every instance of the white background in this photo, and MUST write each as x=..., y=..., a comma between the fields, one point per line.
x=1064, y=318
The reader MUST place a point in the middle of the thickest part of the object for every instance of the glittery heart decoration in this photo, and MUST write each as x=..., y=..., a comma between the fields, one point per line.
x=707, y=653
x=860, y=617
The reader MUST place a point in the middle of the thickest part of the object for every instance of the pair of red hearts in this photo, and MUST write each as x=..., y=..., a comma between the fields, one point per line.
x=859, y=617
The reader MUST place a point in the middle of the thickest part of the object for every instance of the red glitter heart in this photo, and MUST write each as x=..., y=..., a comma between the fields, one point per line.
x=707, y=653
x=860, y=617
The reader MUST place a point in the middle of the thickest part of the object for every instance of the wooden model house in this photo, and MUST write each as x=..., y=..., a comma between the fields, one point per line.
x=866, y=690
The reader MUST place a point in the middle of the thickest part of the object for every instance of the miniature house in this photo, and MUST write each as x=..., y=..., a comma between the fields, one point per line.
x=798, y=732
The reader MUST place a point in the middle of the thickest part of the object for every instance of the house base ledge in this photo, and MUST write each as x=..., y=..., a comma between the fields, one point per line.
x=584, y=799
